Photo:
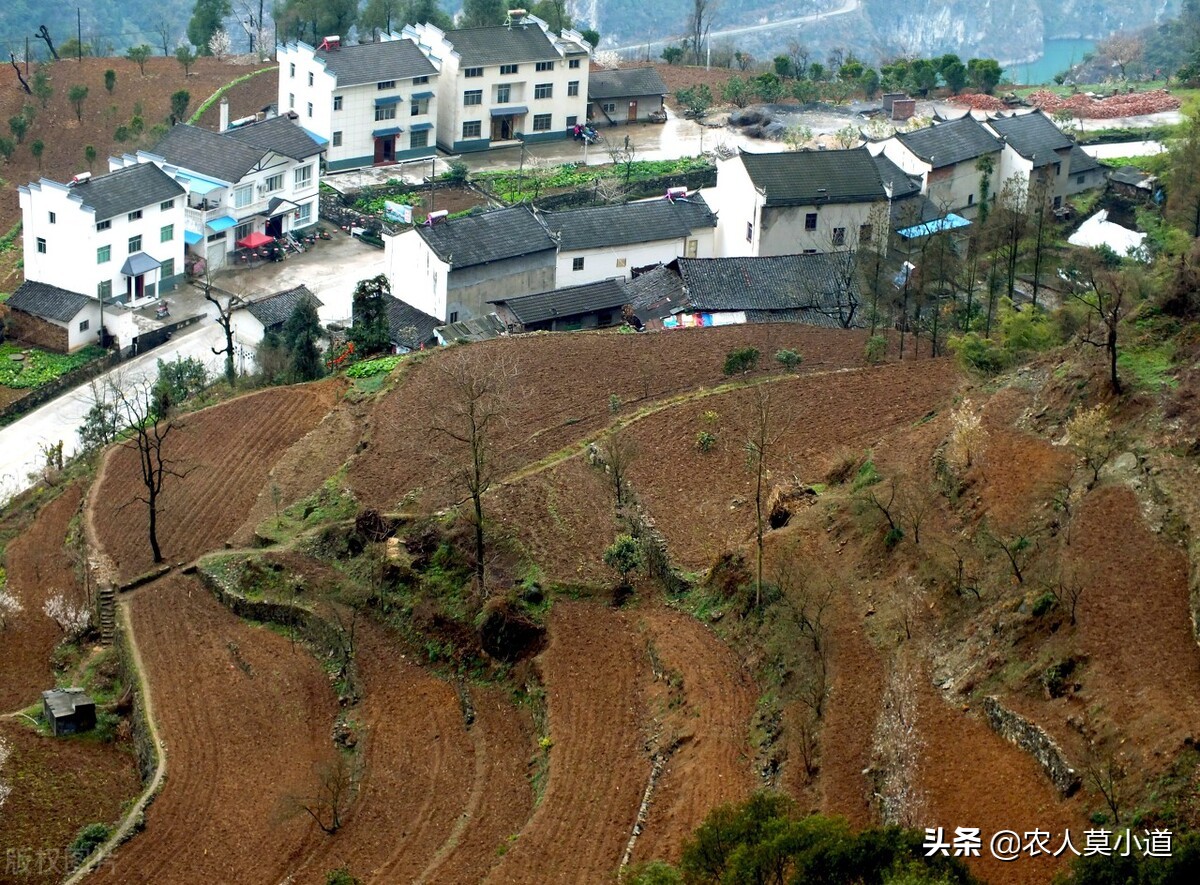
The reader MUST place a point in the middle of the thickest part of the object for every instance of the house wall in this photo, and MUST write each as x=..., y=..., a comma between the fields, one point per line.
x=957, y=187
x=783, y=228
x=37, y=331
x=737, y=203
x=619, y=261
x=416, y=274
x=895, y=151
x=1093, y=178
x=247, y=330
x=646, y=105
x=470, y=288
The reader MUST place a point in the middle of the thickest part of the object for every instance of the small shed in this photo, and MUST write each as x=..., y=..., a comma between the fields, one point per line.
x=68, y=711
x=631, y=95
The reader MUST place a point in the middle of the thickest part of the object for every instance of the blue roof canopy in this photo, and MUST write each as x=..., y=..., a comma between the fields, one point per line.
x=504, y=112
x=383, y=133
x=420, y=127
x=390, y=99
x=318, y=139
x=225, y=222
x=197, y=184
x=419, y=96
x=950, y=222
x=192, y=238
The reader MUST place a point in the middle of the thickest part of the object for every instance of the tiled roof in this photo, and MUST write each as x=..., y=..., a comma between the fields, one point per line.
x=279, y=134
x=408, y=326
x=375, y=62
x=567, y=302
x=275, y=310
x=1082, y=161
x=805, y=178
x=807, y=315
x=480, y=328
x=656, y=292
x=1132, y=175
x=48, y=302
x=127, y=189
x=500, y=45
x=208, y=153
x=489, y=236
x=774, y=283
x=901, y=183
x=1034, y=136
x=629, y=82
x=646, y=221
x=948, y=143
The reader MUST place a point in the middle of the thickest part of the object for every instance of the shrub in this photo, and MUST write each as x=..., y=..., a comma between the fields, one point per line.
x=457, y=172
x=741, y=360
x=1054, y=678
x=1044, y=603
x=623, y=556
x=106, y=726
x=978, y=354
x=867, y=476
x=88, y=840
x=789, y=359
x=341, y=876
x=876, y=349
x=705, y=441
x=893, y=537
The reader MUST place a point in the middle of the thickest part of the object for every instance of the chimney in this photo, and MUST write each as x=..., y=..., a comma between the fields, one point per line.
x=224, y=115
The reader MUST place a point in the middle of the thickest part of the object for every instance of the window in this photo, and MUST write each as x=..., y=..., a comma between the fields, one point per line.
x=243, y=196
x=865, y=233
x=1058, y=202
x=385, y=112
x=541, y=122
x=303, y=176
x=749, y=231
x=507, y=69
x=1079, y=179
x=291, y=101
x=453, y=318
x=839, y=236
x=573, y=87
x=573, y=64
x=473, y=97
x=216, y=238
x=135, y=243
x=577, y=263
x=83, y=325
x=168, y=269
x=135, y=215
x=337, y=138
x=310, y=108
x=810, y=221
x=621, y=262
x=304, y=214
x=274, y=183
x=473, y=72
x=337, y=102
x=504, y=93
x=166, y=205
x=472, y=129
x=103, y=254
x=810, y=251
x=419, y=80
x=53, y=218
x=544, y=66
x=103, y=225
x=104, y=290
x=292, y=70
x=693, y=247
x=970, y=199
x=167, y=233
x=609, y=107
x=543, y=90
x=41, y=245
x=310, y=78
x=386, y=84
x=243, y=230
x=571, y=121
x=419, y=139
x=420, y=107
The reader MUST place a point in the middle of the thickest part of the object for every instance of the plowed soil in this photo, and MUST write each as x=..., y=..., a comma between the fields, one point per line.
x=205, y=506
x=38, y=568
x=558, y=396
x=244, y=715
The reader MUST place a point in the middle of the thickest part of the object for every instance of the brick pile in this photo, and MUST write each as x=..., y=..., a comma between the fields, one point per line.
x=1132, y=104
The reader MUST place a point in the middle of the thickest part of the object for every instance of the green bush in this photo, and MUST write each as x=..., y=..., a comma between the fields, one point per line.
x=341, y=876
x=978, y=354
x=741, y=360
x=1044, y=604
x=867, y=476
x=88, y=840
x=876, y=349
x=1026, y=330
x=457, y=173
x=380, y=366
x=789, y=359
x=705, y=441
x=624, y=556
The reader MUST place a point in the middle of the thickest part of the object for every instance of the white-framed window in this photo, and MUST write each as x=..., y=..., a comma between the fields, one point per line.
x=83, y=325
x=693, y=247
x=544, y=66
x=166, y=205
x=472, y=129
x=274, y=183
x=103, y=254
x=419, y=107
x=385, y=112
x=135, y=215
x=573, y=64
x=504, y=93
x=609, y=107
x=541, y=122
x=243, y=196
x=337, y=102
x=543, y=90
x=291, y=101
x=386, y=84
x=103, y=225
x=573, y=87
x=508, y=69
x=472, y=97
x=303, y=176
x=337, y=138
x=243, y=230
x=418, y=139
x=304, y=214
x=135, y=244
x=473, y=72
x=166, y=233
x=577, y=263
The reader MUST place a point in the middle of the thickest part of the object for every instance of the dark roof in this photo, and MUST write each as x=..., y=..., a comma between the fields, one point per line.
x=480, y=47
x=902, y=184
x=1082, y=161
x=656, y=292
x=948, y=143
x=274, y=310
x=805, y=178
x=567, y=302
x=48, y=302
x=809, y=316
x=374, y=62
x=489, y=236
x=1132, y=175
x=409, y=327
x=642, y=222
x=279, y=134
x=127, y=189
x=208, y=153
x=629, y=82
x=481, y=328
x=774, y=283
x=1034, y=136
x=63, y=701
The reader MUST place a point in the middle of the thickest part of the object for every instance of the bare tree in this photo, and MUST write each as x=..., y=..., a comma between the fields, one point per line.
x=225, y=321
x=1068, y=589
x=331, y=793
x=619, y=452
x=760, y=447
x=1016, y=550
x=699, y=24
x=1105, y=291
x=1105, y=770
x=889, y=506
x=164, y=29
x=1122, y=49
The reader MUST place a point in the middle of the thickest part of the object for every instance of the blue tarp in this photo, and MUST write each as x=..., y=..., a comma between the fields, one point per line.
x=950, y=222
x=192, y=238
x=225, y=222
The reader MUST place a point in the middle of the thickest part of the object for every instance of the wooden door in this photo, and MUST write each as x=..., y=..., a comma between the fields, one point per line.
x=632, y=112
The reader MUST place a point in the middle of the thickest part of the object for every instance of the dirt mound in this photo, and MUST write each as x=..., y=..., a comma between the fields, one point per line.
x=38, y=567
x=244, y=715
x=1131, y=104
x=203, y=508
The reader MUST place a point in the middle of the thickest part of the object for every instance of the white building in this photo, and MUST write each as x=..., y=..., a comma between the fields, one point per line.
x=498, y=85
x=373, y=103
x=260, y=177
x=118, y=236
x=952, y=160
x=610, y=241
x=53, y=318
x=798, y=202
x=1037, y=149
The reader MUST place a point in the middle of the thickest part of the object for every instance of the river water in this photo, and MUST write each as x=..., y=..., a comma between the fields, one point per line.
x=1057, y=56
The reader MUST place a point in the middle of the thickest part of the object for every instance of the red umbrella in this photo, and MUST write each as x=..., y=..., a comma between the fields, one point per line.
x=254, y=240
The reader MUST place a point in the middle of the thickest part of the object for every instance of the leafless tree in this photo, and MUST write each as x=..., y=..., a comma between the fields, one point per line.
x=1105, y=292
x=885, y=501
x=1016, y=550
x=1068, y=588
x=619, y=452
x=164, y=29
x=915, y=503
x=806, y=742
x=225, y=321
x=699, y=24
x=760, y=448
x=331, y=792
x=1122, y=49
x=1105, y=770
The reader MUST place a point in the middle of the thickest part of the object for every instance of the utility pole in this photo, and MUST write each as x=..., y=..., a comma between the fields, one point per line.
x=26, y=56
x=78, y=35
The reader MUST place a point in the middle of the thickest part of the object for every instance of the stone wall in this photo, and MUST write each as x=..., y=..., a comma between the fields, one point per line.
x=1033, y=740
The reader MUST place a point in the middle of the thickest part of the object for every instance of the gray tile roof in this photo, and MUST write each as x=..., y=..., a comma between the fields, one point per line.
x=1082, y=161
x=134, y=187
x=487, y=237
x=805, y=178
x=567, y=302
x=275, y=310
x=48, y=302
x=806, y=315
x=481, y=47
x=775, y=283
x=1132, y=175
x=948, y=143
x=629, y=82
x=375, y=62
x=279, y=134
x=901, y=183
x=481, y=328
x=208, y=153
x=642, y=222
x=1034, y=136
x=656, y=292
x=409, y=327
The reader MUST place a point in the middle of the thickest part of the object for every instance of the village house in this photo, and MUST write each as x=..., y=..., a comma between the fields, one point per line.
x=68, y=711
x=606, y=241
x=372, y=103
x=410, y=329
x=52, y=318
x=505, y=84
x=593, y=305
x=631, y=95
x=1087, y=173
x=798, y=202
x=451, y=268
x=258, y=178
x=1037, y=149
x=254, y=320
x=951, y=160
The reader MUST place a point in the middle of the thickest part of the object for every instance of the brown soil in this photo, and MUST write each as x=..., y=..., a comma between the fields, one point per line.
x=38, y=567
x=678, y=77
x=203, y=508
x=245, y=716
x=59, y=786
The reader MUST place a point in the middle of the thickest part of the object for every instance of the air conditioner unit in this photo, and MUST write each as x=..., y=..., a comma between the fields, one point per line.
x=262, y=189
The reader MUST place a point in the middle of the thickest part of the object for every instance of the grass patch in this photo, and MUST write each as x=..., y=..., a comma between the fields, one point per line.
x=40, y=366
x=1150, y=366
x=333, y=502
